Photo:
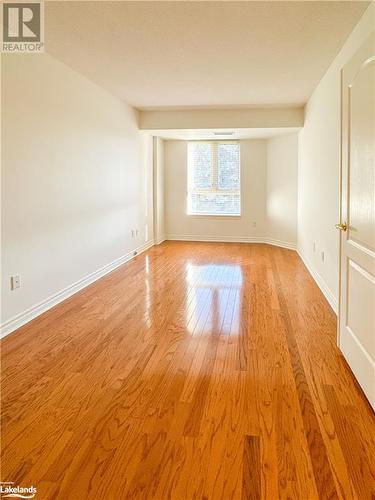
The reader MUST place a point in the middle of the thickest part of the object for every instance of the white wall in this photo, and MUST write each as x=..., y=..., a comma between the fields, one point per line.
x=268, y=195
x=76, y=176
x=282, y=171
x=159, y=193
x=319, y=169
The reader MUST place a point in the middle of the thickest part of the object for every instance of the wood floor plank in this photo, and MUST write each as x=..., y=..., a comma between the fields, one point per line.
x=251, y=489
x=195, y=371
x=318, y=454
x=360, y=471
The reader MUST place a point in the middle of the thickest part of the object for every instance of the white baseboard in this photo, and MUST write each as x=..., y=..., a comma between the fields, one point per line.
x=282, y=244
x=160, y=240
x=218, y=239
x=230, y=239
x=21, y=319
x=332, y=300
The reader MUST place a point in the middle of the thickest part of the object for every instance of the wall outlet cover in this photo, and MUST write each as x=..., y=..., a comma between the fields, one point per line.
x=15, y=282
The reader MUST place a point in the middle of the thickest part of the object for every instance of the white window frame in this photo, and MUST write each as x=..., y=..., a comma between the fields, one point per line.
x=215, y=180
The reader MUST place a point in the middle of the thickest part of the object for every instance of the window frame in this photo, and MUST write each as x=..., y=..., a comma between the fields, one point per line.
x=214, y=189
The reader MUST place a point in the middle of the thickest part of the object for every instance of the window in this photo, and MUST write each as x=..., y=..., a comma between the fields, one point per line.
x=214, y=186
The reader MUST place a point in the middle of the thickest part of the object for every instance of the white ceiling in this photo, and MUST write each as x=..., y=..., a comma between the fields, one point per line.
x=160, y=54
x=204, y=134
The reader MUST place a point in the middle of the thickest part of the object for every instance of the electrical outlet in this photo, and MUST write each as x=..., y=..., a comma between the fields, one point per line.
x=254, y=224
x=314, y=246
x=322, y=255
x=15, y=282
x=132, y=233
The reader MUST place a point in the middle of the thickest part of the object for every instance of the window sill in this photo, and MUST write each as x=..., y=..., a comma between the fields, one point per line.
x=214, y=216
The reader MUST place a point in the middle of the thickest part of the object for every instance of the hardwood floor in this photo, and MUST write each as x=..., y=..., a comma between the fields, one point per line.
x=197, y=370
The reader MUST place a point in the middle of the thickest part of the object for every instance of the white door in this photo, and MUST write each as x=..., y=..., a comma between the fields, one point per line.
x=357, y=269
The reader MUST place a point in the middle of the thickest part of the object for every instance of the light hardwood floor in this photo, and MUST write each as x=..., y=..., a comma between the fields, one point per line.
x=197, y=370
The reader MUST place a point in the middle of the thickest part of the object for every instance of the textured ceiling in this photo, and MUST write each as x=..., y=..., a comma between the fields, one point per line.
x=159, y=54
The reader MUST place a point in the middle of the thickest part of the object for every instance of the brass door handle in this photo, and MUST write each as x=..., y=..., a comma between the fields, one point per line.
x=342, y=227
